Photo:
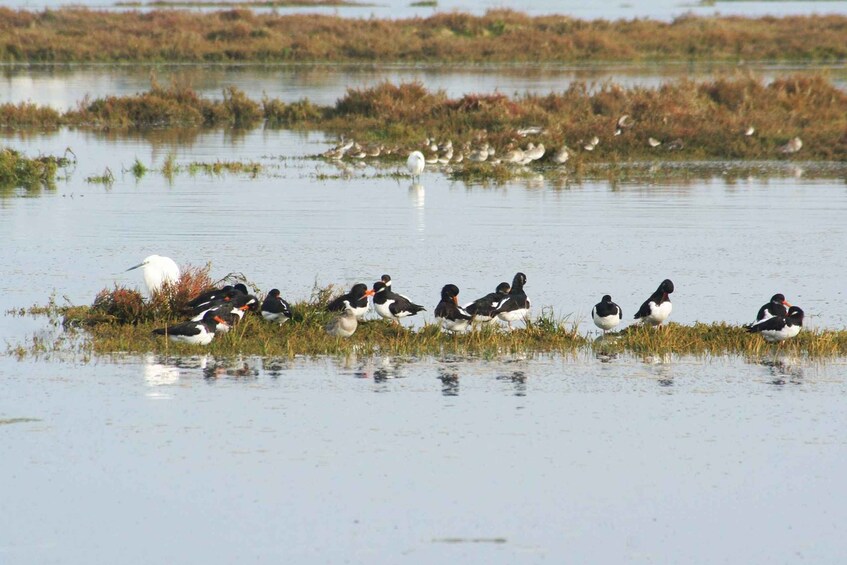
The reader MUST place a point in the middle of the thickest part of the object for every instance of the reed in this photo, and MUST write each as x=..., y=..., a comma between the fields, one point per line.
x=499, y=36
x=29, y=173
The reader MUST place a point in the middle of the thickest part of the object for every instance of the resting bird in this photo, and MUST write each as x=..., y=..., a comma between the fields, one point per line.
x=779, y=328
x=357, y=298
x=194, y=332
x=275, y=309
x=776, y=307
x=657, y=308
x=485, y=309
x=515, y=306
x=344, y=325
x=606, y=314
x=452, y=316
x=393, y=306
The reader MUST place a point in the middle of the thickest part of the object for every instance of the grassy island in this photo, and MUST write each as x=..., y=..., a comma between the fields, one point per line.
x=500, y=36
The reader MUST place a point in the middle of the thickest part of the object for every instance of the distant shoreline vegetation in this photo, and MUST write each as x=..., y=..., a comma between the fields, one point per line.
x=220, y=4
x=499, y=36
x=738, y=118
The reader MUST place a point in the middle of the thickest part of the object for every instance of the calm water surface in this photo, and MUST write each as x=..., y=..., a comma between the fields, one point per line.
x=64, y=87
x=363, y=461
x=530, y=459
x=659, y=9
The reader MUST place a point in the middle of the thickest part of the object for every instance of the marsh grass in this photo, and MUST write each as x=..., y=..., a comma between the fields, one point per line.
x=693, y=120
x=120, y=322
x=240, y=35
x=241, y=4
x=30, y=173
x=107, y=178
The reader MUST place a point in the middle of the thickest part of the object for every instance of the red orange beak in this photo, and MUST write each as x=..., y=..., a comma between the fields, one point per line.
x=370, y=292
x=785, y=303
x=220, y=320
x=244, y=308
x=456, y=300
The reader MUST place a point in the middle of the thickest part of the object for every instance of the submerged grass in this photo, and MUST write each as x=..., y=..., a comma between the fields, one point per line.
x=239, y=35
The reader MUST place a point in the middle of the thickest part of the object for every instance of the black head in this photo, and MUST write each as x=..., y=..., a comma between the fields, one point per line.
x=274, y=292
x=226, y=288
x=606, y=298
x=779, y=298
x=519, y=280
x=240, y=287
x=358, y=289
x=386, y=279
x=795, y=312
x=666, y=286
x=449, y=292
x=379, y=286
x=504, y=288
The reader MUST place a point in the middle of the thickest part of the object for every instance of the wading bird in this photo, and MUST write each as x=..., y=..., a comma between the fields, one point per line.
x=657, y=308
x=606, y=314
x=157, y=271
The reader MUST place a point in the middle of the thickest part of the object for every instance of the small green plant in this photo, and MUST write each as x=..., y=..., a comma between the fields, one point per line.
x=107, y=178
x=138, y=169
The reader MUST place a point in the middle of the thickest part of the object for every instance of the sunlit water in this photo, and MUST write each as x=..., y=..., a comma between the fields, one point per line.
x=65, y=87
x=658, y=9
x=519, y=459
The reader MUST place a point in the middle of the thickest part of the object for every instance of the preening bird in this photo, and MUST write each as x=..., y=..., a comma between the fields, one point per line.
x=657, y=308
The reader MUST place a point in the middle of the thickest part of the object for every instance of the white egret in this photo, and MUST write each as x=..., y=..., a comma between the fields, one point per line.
x=415, y=163
x=157, y=271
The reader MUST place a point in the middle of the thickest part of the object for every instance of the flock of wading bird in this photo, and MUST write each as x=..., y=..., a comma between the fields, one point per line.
x=216, y=310
x=442, y=153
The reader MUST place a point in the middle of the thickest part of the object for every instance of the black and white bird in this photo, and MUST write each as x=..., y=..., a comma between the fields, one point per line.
x=485, y=309
x=206, y=298
x=657, y=308
x=606, y=314
x=778, y=306
x=275, y=309
x=194, y=332
x=515, y=306
x=357, y=298
x=779, y=328
x=344, y=325
x=393, y=306
x=230, y=309
x=453, y=317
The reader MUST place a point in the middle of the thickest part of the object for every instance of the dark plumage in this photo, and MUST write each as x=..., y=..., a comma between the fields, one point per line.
x=275, y=309
x=357, y=298
x=393, y=306
x=606, y=314
x=515, y=306
x=485, y=309
x=657, y=308
x=779, y=328
x=776, y=307
x=195, y=332
x=453, y=317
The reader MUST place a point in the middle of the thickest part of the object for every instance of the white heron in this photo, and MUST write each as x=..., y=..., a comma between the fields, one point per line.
x=157, y=271
x=415, y=163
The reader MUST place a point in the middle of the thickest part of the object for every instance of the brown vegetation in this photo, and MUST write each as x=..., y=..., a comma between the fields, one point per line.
x=239, y=35
x=691, y=120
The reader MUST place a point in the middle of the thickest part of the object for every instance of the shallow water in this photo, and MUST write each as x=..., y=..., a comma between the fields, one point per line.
x=140, y=460
x=63, y=87
x=422, y=462
x=658, y=9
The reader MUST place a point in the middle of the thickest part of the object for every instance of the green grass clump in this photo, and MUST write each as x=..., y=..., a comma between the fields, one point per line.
x=121, y=321
x=29, y=173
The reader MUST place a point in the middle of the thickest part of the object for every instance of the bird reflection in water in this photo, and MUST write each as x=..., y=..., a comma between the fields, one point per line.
x=241, y=370
x=158, y=372
x=449, y=381
x=518, y=380
x=783, y=372
x=380, y=369
x=418, y=195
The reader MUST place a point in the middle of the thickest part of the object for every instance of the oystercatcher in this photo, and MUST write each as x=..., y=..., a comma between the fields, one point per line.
x=776, y=307
x=779, y=328
x=194, y=332
x=606, y=314
x=452, y=316
x=657, y=308
x=357, y=298
x=485, y=309
x=515, y=306
x=275, y=309
x=393, y=306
